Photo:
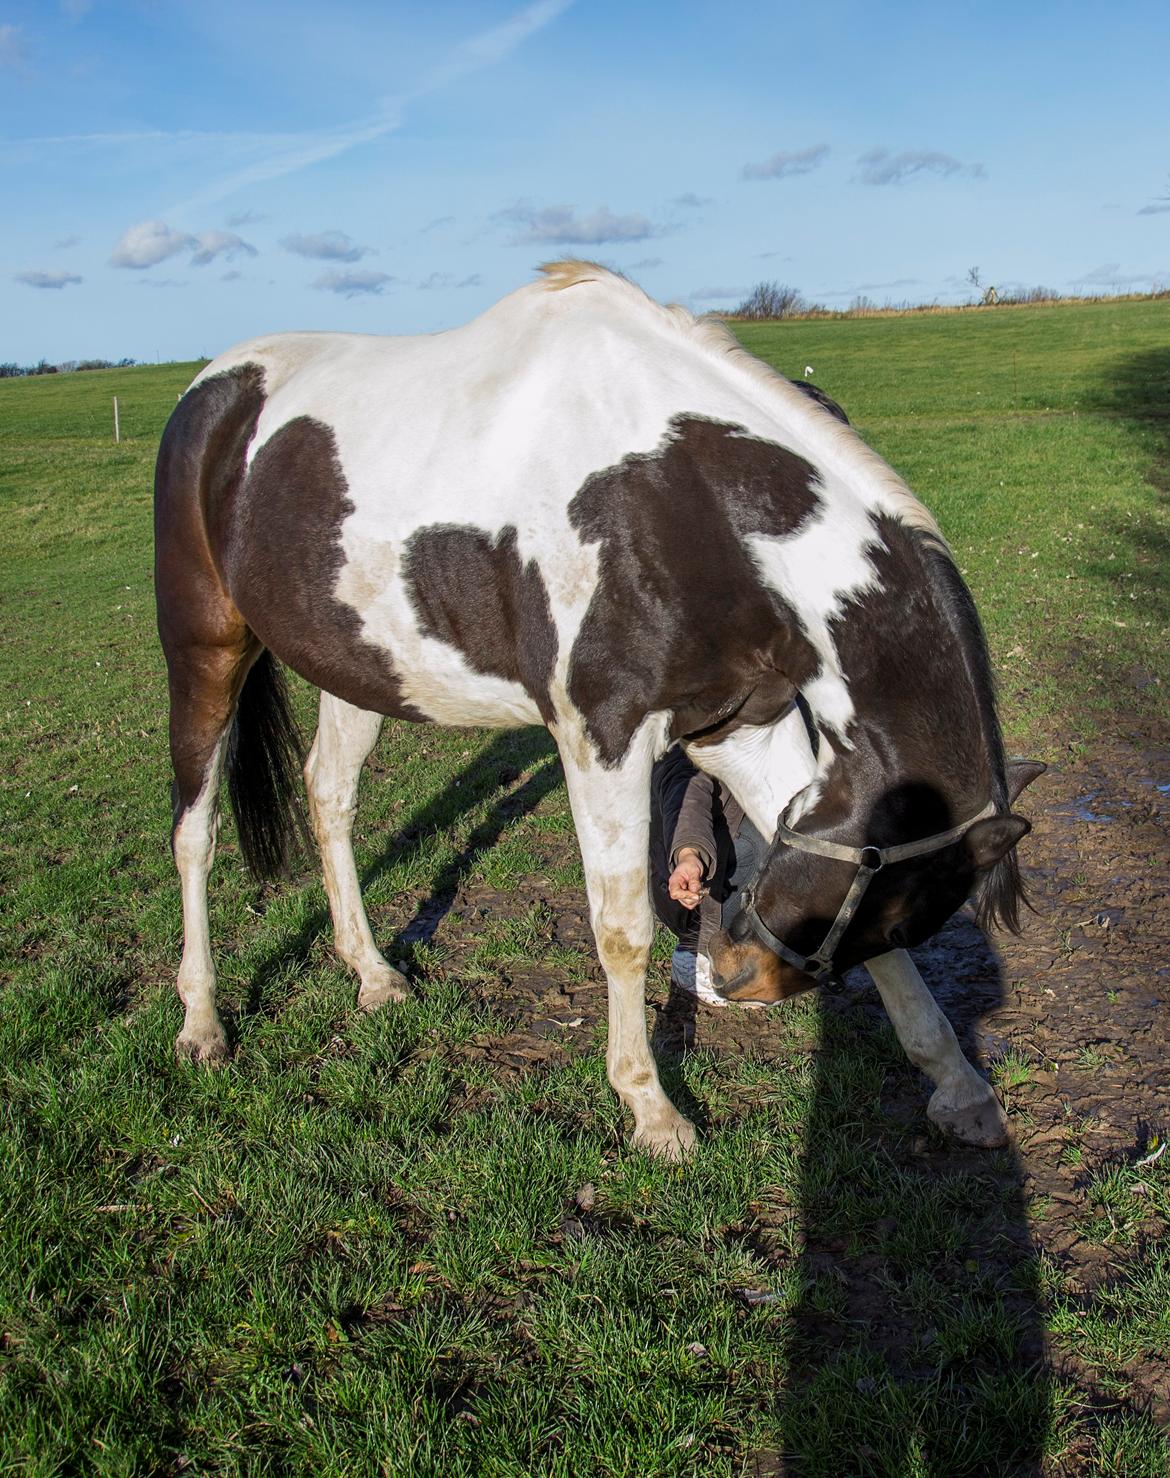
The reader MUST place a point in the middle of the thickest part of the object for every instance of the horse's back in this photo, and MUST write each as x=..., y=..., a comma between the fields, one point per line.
x=418, y=524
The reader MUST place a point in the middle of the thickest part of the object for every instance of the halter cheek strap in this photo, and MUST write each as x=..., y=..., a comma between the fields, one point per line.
x=869, y=862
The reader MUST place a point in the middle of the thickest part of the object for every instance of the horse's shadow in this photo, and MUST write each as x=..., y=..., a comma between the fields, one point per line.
x=916, y=1341
x=494, y=771
x=939, y=1326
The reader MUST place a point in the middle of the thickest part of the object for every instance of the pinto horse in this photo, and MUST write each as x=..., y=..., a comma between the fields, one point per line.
x=587, y=511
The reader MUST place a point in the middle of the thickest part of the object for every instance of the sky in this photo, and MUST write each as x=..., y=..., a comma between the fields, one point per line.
x=177, y=176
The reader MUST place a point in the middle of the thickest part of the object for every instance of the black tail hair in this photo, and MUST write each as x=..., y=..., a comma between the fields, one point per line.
x=263, y=771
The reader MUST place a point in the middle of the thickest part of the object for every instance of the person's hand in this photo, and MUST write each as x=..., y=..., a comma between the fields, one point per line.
x=685, y=884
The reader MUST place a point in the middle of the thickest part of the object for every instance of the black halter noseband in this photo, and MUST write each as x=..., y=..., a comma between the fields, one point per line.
x=869, y=860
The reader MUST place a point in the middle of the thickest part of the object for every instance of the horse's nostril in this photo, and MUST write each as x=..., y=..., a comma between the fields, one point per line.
x=898, y=936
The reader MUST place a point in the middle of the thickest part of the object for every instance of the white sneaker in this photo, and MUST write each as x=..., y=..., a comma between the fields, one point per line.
x=692, y=972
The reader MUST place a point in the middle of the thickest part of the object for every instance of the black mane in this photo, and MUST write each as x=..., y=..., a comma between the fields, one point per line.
x=1002, y=890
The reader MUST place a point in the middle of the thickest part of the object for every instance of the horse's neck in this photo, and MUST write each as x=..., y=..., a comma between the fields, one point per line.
x=763, y=766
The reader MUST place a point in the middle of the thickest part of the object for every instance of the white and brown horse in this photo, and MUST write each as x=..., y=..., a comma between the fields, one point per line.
x=586, y=511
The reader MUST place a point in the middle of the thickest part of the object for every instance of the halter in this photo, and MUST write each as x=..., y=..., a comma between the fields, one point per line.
x=869, y=860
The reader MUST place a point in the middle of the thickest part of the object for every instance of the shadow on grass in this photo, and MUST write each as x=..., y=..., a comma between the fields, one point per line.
x=496, y=768
x=916, y=1344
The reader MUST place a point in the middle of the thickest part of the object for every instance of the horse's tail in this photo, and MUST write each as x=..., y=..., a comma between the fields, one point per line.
x=263, y=771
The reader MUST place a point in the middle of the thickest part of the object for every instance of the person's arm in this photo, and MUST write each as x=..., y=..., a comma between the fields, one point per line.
x=692, y=847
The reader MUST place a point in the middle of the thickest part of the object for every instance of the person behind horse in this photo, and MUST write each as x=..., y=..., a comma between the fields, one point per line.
x=703, y=853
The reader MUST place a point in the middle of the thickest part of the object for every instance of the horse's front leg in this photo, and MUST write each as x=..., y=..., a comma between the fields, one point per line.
x=611, y=812
x=962, y=1102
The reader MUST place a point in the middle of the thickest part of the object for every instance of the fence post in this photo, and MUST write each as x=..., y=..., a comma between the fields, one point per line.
x=117, y=428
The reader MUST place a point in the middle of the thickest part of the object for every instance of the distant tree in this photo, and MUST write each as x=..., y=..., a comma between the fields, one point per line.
x=10, y=371
x=770, y=300
x=975, y=278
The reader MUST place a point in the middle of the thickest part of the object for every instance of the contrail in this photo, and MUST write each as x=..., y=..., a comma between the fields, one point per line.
x=297, y=151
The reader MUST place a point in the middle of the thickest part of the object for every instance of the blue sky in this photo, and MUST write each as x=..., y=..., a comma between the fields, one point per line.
x=175, y=176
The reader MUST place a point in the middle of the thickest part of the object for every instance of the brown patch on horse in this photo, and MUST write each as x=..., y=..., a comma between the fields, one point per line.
x=473, y=593
x=282, y=556
x=680, y=619
x=205, y=638
x=746, y=971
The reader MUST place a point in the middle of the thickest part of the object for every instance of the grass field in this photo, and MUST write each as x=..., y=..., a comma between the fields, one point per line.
x=386, y=1244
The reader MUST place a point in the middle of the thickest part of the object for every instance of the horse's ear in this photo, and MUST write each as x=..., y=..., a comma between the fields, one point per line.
x=989, y=840
x=1021, y=773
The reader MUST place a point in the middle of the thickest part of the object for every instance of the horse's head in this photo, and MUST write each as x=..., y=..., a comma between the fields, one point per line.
x=824, y=900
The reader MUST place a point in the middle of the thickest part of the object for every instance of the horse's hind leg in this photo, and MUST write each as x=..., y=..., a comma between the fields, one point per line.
x=345, y=736
x=205, y=681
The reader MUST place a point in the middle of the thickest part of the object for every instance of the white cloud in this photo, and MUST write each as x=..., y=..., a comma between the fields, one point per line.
x=448, y=279
x=718, y=294
x=881, y=167
x=645, y=264
x=352, y=284
x=149, y=243
x=326, y=246
x=66, y=243
x=559, y=225
x=212, y=244
x=786, y=163
x=1157, y=209
x=690, y=201
x=12, y=52
x=75, y=9
x=47, y=279
x=245, y=218
x=1109, y=274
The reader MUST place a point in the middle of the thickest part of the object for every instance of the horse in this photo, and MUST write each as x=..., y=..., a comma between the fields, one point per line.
x=588, y=511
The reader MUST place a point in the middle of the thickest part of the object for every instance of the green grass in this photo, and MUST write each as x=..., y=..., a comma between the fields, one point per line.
x=358, y=1249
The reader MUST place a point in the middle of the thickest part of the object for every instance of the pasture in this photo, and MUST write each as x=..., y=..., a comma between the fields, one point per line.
x=415, y=1242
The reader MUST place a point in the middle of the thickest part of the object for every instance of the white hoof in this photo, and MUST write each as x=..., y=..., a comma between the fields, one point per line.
x=972, y=1115
x=666, y=1138
x=382, y=987
x=207, y=1046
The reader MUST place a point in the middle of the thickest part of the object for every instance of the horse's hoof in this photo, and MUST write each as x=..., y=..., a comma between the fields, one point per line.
x=382, y=989
x=980, y=1122
x=208, y=1049
x=672, y=1139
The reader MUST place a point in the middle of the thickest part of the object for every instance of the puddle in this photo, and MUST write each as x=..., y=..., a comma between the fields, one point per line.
x=1082, y=808
x=1161, y=786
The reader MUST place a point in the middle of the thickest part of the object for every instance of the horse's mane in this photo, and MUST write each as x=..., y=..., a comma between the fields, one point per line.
x=1002, y=891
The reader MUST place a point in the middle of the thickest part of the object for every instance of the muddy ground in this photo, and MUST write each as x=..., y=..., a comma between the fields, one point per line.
x=1072, y=1017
